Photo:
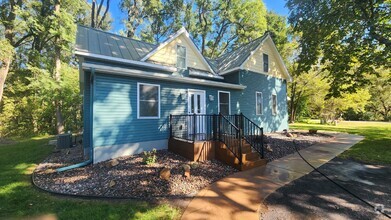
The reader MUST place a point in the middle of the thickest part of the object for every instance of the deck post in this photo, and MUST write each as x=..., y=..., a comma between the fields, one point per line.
x=170, y=125
x=194, y=127
x=214, y=124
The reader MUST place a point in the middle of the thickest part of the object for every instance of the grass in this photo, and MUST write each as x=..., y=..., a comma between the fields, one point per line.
x=19, y=198
x=375, y=148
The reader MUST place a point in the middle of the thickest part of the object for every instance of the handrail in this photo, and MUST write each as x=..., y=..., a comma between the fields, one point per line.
x=252, y=134
x=229, y=122
x=230, y=130
x=230, y=138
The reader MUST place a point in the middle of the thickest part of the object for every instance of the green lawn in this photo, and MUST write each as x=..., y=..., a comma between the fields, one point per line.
x=19, y=198
x=375, y=148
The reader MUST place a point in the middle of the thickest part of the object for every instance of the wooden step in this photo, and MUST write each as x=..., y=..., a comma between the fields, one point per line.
x=253, y=164
x=246, y=148
x=250, y=156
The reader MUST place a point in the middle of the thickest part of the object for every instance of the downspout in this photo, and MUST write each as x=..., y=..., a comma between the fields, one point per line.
x=89, y=161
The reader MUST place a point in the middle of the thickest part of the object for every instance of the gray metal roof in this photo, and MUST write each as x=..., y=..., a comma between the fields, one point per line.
x=95, y=41
x=103, y=43
x=236, y=57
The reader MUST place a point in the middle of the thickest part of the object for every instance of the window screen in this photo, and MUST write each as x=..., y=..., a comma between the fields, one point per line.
x=148, y=100
x=265, y=63
x=274, y=104
x=181, y=57
x=258, y=102
x=224, y=103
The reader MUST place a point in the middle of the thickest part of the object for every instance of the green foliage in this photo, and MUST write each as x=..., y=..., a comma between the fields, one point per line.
x=28, y=108
x=6, y=50
x=375, y=148
x=380, y=90
x=21, y=200
x=216, y=26
x=350, y=38
x=149, y=157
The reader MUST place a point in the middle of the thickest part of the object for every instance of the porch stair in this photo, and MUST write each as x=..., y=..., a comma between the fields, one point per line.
x=249, y=158
x=232, y=139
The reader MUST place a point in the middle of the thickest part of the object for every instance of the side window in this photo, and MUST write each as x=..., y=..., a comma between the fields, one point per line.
x=258, y=101
x=148, y=101
x=265, y=63
x=274, y=104
x=224, y=103
x=181, y=57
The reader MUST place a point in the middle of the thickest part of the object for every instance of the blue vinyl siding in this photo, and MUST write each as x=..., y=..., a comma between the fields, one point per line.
x=115, y=109
x=86, y=114
x=115, y=106
x=244, y=101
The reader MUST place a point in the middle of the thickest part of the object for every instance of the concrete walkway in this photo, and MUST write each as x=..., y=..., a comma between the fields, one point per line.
x=239, y=196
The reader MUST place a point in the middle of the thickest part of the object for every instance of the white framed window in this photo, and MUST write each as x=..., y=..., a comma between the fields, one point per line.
x=265, y=63
x=148, y=101
x=259, y=103
x=224, y=100
x=181, y=57
x=274, y=104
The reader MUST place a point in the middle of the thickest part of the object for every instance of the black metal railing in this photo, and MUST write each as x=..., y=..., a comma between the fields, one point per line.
x=229, y=129
x=193, y=127
x=253, y=134
x=231, y=136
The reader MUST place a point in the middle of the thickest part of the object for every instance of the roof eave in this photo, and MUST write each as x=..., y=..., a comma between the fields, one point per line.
x=126, y=61
x=158, y=76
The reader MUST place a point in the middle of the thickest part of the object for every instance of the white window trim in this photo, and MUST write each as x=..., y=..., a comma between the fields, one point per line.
x=186, y=55
x=203, y=110
x=138, y=101
x=263, y=63
x=218, y=101
x=274, y=114
x=256, y=103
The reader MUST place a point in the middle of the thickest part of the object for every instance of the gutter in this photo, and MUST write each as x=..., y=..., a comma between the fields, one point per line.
x=89, y=161
x=158, y=76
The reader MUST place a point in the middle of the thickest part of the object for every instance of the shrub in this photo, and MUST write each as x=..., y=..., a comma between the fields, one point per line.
x=149, y=157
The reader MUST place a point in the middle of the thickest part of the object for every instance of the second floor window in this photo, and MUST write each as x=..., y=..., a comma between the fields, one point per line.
x=265, y=63
x=181, y=57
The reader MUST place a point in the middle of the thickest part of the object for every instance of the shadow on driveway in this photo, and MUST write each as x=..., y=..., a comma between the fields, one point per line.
x=314, y=197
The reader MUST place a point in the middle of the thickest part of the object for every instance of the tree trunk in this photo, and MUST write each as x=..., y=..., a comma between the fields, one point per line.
x=3, y=75
x=57, y=77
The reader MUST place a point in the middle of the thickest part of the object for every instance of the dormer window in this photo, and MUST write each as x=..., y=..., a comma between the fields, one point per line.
x=181, y=57
x=265, y=63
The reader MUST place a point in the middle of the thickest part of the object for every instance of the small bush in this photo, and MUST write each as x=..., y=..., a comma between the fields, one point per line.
x=149, y=157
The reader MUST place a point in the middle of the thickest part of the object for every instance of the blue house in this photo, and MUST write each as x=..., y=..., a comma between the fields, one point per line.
x=137, y=96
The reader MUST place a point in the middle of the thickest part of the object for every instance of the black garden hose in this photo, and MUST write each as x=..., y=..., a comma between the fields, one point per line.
x=339, y=185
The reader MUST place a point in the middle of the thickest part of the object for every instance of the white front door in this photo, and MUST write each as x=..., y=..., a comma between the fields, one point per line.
x=196, y=105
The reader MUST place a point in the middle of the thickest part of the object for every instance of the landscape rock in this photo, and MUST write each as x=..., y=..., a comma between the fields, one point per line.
x=268, y=148
x=114, y=163
x=165, y=173
x=186, y=170
x=112, y=183
x=289, y=134
x=50, y=171
x=312, y=131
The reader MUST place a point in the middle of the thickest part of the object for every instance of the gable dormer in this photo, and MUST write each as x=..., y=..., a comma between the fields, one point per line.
x=179, y=51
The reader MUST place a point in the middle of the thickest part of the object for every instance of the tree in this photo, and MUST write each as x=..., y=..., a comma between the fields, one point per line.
x=13, y=36
x=97, y=18
x=345, y=34
x=380, y=89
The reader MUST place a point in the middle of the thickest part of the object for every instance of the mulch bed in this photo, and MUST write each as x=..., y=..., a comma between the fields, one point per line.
x=282, y=145
x=131, y=176
x=134, y=179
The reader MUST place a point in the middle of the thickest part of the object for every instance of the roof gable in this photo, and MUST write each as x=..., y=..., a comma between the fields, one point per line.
x=181, y=37
x=277, y=66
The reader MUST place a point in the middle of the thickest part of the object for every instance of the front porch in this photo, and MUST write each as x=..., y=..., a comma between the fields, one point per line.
x=232, y=139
